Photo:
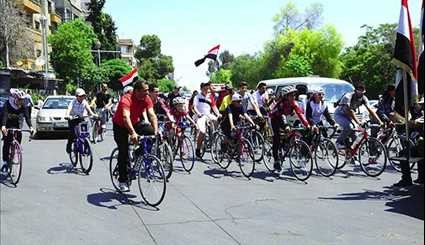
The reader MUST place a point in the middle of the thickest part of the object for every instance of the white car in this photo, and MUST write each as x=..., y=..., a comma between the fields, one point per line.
x=51, y=115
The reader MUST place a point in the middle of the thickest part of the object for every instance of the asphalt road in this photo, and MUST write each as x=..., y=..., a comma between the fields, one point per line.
x=53, y=205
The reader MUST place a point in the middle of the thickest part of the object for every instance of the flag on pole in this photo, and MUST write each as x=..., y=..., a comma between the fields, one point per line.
x=421, y=64
x=212, y=54
x=405, y=58
x=128, y=78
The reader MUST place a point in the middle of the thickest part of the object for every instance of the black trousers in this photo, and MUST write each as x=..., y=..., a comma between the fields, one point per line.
x=277, y=124
x=121, y=138
x=7, y=142
x=71, y=137
x=405, y=166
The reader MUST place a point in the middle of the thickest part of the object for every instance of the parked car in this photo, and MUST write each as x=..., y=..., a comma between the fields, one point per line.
x=51, y=115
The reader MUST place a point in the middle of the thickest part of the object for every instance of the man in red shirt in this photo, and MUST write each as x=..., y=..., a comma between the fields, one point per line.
x=127, y=122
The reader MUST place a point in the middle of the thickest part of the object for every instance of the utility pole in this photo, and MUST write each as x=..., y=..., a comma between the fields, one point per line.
x=45, y=30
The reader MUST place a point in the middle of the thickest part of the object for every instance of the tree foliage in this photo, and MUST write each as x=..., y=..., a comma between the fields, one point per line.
x=370, y=59
x=289, y=17
x=226, y=59
x=222, y=76
x=103, y=26
x=166, y=85
x=113, y=70
x=246, y=68
x=71, y=44
x=150, y=47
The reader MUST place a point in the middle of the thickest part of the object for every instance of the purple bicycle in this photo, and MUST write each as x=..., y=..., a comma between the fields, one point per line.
x=14, y=165
x=81, y=150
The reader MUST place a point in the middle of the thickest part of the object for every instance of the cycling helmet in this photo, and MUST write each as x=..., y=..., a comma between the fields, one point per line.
x=80, y=92
x=17, y=94
x=288, y=89
x=179, y=100
x=127, y=89
x=236, y=97
x=318, y=91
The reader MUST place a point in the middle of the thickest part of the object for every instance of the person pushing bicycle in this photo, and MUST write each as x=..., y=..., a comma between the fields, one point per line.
x=13, y=113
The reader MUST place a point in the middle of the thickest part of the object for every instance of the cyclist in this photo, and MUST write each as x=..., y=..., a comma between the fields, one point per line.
x=174, y=94
x=192, y=98
x=128, y=90
x=248, y=102
x=13, y=111
x=285, y=106
x=345, y=113
x=226, y=100
x=316, y=109
x=180, y=113
x=233, y=115
x=102, y=103
x=159, y=104
x=79, y=107
x=262, y=97
x=203, y=104
x=127, y=122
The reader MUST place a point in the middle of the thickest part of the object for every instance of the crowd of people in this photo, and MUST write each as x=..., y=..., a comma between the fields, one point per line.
x=142, y=105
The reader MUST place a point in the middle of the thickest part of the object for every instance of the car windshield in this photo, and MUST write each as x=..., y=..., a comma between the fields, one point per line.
x=57, y=103
x=333, y=91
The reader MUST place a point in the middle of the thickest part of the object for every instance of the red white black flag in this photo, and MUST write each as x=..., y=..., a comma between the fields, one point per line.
x=128, y=78
x=421, y=65
x=212, y=54
x=405, y=58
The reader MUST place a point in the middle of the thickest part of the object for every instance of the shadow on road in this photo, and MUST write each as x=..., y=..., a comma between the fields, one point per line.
x=56, y=136
x=65, y=168
x=111, y=199
x=406, y=201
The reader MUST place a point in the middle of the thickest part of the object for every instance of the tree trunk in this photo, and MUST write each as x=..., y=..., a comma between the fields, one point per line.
x=7, y=56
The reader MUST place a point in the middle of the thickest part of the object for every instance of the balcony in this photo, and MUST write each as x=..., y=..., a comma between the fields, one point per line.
x=55, y=18
x=32, y=6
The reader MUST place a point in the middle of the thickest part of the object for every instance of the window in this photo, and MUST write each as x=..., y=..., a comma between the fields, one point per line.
x=124, y=49
x=37, y=25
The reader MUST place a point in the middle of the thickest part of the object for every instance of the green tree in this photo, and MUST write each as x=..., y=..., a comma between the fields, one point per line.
x=246, y=68
x=166, y=85
x=369, y=60
x=222, y=76
x=226, y=59
x=92, y=77
x=103, y=26
x=113, y=70
x=71, y=56
x=289, y=17
x=150, y=47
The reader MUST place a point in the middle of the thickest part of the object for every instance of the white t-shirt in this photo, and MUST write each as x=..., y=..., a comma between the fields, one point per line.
x=77, y=108
x=260, y=99
x=203, y=103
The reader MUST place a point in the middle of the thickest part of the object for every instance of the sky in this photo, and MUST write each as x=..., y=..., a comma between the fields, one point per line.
x=189, y=28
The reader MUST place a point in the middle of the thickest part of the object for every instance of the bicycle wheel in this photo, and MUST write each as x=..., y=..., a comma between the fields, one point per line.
x=372, y=157
x=94, y=132
x=246, y=157
x=165, y=155
x=326, y=158
x=219, y=151
x=268, y=157
x=300, y=159
x=258, y=146
x=86, y=157
x=397, y=148
x=186, y=154
x=15, y=163
x=113, y=169
x=151, y=180
x=73, y=155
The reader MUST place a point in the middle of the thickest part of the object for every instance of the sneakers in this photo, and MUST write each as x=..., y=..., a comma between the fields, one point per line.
x=123, y=187
x=277, y=166
x=403, y=183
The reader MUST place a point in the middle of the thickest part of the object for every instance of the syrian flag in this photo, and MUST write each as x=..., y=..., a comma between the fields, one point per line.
x=212, y=54
x=128, y=79
x=421, y=65
x=405, y=58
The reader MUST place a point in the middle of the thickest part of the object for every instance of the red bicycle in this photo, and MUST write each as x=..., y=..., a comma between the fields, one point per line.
x=367, y=151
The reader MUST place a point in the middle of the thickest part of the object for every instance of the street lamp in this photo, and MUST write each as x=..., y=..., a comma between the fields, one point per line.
x=97, y=46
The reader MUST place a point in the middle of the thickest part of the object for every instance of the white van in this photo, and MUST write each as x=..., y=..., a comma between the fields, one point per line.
x=334, y=89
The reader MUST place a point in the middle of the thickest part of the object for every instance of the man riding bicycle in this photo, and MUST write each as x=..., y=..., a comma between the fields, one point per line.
x=13, y=112
x=317, y=110
x=345, y=114
x=77, y=109
x=285, y=106
x=248, y=102
x=102, y=103
x=204, y=105
x=127, y=121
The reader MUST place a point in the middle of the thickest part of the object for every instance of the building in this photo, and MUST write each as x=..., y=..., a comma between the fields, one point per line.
x=128, y=49
x=69, y=9
x=32, y=11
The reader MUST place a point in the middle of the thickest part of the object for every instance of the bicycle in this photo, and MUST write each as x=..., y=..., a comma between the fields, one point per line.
x=183, y=148
x=144, y=167
x=368, y=148
x=237, y=148
x=324, y=151
x=80, y=148
x=14, y=165
x=297, y=150
x=164, y=151
x=98, y=132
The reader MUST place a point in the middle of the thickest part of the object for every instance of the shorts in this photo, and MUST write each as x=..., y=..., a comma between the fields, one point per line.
x=203, y=121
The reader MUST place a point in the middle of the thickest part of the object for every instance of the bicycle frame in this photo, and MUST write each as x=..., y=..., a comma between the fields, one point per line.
x=352, y=150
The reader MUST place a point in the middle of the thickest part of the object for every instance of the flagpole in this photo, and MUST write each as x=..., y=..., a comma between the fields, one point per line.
x=406, y=114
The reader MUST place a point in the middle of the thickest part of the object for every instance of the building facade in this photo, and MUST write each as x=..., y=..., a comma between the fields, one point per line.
x=128, y=49
x=69, y=9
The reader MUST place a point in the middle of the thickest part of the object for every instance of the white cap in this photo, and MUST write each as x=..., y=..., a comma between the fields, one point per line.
x=80, y=92
x=127, y=89
x=236, y=97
